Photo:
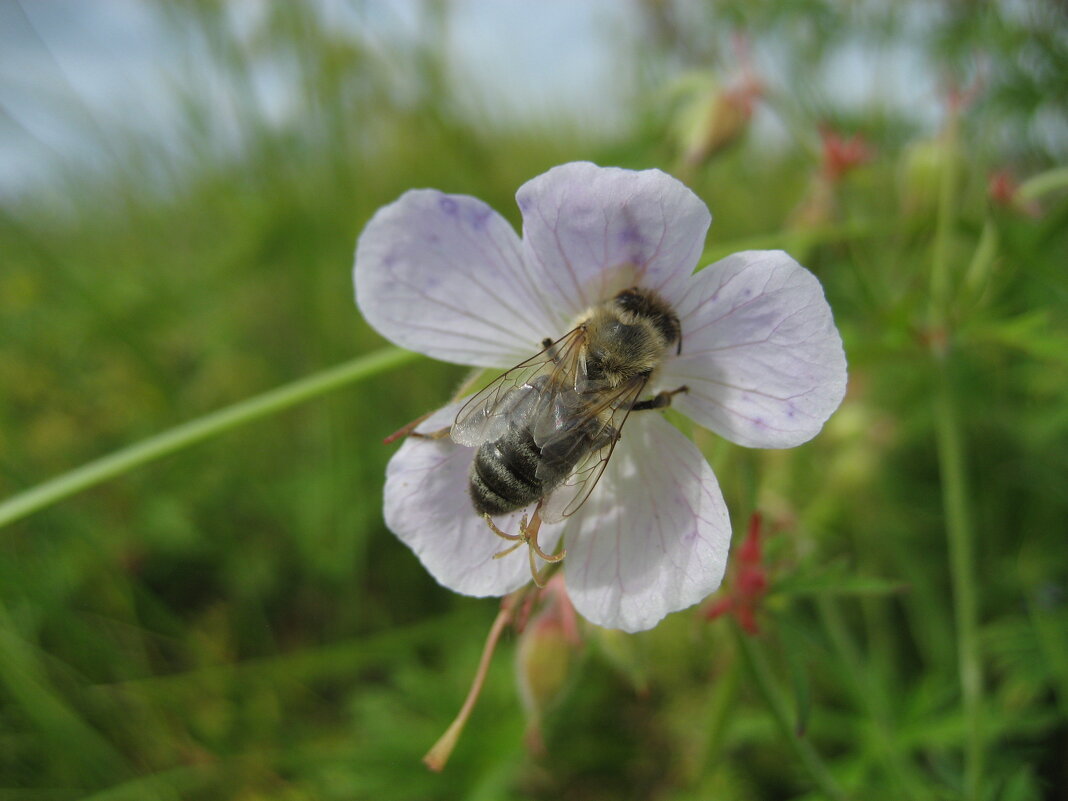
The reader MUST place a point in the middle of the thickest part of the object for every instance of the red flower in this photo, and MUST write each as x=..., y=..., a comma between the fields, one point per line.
x=1003, y=190
x=749, y=584
x=843, y=153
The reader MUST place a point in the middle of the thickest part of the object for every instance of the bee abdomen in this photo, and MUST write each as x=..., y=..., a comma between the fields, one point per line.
x=504, y=474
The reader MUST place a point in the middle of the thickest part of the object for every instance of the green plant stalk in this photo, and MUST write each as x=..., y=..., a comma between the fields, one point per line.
x=202, y=428
x=939, y=295
x=757, y=663
x=951, y=461
x=951, y=465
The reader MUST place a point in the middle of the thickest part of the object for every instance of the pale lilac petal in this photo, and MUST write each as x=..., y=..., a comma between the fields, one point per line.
x=427, y=506
x=653, y=537
x=760, y=352
x=591, y=231
x=444, y=275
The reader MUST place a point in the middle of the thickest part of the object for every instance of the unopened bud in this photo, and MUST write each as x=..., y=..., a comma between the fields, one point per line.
x=924, y=166
x=840, y=156
x=716, y=117
x=545, y=657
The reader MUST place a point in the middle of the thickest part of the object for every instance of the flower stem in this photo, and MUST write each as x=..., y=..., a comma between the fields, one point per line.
x=438, y=755
x=940, y=285
x=182, y=436
x=951, y=462
x=757, y=663
x=951, y=465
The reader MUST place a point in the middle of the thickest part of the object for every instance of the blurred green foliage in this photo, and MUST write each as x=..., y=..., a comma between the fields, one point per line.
x=236, y=623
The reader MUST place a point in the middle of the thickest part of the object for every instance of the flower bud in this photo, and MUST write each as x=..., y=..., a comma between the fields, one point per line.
x=923, y=166
x=716, y=117
x=840, y=156
x=544, y=658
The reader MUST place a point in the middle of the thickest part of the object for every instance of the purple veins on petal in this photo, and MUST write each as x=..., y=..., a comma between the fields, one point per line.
x=763, y=363
x=478, y=217
x=630, y=235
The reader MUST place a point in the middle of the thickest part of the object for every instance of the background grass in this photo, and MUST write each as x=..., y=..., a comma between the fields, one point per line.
x=234, y=622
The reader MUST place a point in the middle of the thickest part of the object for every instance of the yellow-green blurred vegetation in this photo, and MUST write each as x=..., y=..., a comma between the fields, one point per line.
x=235, y=622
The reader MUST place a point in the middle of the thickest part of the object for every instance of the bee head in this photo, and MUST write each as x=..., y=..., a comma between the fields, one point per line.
x=617, y=351
x=645, y=305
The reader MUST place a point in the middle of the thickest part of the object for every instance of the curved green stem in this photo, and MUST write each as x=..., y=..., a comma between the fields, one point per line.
x=210, y=425
x=1045, y=182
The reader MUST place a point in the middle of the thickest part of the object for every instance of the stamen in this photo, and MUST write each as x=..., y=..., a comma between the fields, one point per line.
x=507, y=550
x=534, y=570
x=528, y=533
x=502, y=534
x=531, y=533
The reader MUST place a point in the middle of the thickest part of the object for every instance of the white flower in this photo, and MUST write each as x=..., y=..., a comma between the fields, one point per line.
x=446, y=276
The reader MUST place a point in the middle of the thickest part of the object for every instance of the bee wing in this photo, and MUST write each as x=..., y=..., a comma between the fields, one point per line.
x=519, y=394
x=568, y=498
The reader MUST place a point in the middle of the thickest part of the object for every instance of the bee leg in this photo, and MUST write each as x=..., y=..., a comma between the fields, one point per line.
x=405, y=430
x=441, y=433
x=409, y=431
x=662, y=400
x=547, y=346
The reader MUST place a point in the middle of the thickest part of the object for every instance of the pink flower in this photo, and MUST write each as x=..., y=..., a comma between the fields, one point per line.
x=447, y=276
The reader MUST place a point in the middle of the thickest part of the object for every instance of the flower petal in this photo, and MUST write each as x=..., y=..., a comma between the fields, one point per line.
x=654, y=537
x=760, y=352
x=444, y=275
x=428, y=507
x=591, y=231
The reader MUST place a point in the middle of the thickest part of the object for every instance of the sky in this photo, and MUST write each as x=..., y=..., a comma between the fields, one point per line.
x=109, y=65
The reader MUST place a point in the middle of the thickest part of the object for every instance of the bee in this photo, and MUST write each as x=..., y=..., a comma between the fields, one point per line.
x=546, y=429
